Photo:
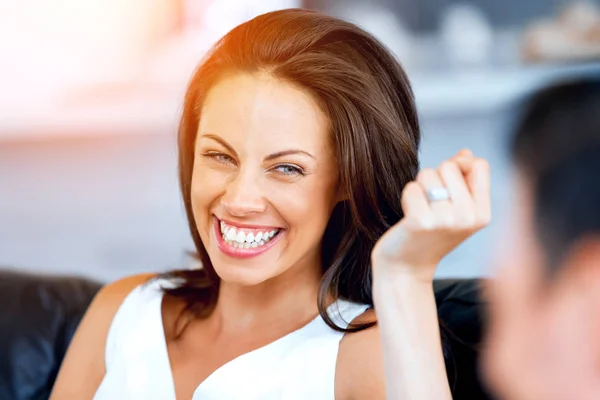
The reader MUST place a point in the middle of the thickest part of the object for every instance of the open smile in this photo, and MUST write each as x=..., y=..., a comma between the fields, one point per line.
x=244, y=241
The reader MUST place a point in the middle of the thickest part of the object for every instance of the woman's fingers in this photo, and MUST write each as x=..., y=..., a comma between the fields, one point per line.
x=414, y=201
x=430, y=179
x=432, y=228
x=479, y=183
x=465, y=152
x=462, y=200
x=477, y=177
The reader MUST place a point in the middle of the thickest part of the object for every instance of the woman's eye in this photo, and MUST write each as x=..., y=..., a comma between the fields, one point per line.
x=220, y=157
x=283, y=169
x=288, y=169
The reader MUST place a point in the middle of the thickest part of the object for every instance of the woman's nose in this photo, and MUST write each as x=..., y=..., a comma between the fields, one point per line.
x=243, y=196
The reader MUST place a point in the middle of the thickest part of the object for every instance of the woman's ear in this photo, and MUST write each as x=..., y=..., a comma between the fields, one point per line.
x=342, y=194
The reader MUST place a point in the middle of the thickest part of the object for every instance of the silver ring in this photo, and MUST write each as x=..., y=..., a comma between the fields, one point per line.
x=437, y=194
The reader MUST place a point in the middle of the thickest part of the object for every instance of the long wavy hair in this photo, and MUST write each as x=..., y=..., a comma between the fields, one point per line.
x=367, y=97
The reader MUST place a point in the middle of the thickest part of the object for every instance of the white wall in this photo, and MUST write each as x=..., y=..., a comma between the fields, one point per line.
x=47, y=47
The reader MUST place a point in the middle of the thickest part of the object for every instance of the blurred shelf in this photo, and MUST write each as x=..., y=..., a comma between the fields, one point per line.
x=147, y=108
x=483, y=91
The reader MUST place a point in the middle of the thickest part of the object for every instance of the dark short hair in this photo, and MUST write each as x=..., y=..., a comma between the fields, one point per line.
x=374, y=129
x=557, y=148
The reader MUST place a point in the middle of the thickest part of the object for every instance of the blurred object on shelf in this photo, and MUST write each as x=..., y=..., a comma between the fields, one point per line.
x=573, y=35
x=383, y=24
x=218, y=17
x=467, y=36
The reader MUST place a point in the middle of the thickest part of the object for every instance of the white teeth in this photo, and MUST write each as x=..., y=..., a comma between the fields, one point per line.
x=242, y=240
x=231, y=234
x=240, y=237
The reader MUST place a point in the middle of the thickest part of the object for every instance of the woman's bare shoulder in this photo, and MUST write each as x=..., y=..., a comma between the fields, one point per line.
x=83, y=367
x=359, y=368
x=110, y=297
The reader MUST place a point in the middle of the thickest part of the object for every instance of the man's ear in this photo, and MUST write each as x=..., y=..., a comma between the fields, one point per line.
x=582, y=265
x=583, y=261
x=577, y=312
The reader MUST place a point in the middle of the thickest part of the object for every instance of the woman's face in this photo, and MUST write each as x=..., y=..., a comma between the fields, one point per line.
x=265, y=178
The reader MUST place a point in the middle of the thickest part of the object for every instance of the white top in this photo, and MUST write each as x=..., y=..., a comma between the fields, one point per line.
x=300, y=365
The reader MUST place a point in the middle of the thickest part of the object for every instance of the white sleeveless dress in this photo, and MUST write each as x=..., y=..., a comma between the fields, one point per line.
x=300, y=365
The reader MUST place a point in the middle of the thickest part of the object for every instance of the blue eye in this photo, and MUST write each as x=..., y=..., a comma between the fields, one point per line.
x=283, y=169
x=289, y=169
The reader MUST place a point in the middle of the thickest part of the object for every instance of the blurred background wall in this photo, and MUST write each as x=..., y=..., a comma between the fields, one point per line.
x=91, y=91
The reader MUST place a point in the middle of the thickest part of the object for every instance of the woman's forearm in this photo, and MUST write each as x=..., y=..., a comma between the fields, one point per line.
x=410, y=337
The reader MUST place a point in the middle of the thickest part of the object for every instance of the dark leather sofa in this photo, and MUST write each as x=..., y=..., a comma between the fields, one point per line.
x=39, y=315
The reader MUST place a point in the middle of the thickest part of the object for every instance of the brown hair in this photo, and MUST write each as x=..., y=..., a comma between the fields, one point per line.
x=369, y=102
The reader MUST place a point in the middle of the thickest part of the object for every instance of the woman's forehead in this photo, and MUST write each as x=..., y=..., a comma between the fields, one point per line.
x=246, y=108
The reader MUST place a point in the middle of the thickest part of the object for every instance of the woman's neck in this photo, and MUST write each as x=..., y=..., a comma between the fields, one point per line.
x=284, y=301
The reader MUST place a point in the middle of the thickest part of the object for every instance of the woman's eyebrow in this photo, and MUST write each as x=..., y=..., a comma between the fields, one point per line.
x=270, y=157
x=218, y=139
x=284, y=153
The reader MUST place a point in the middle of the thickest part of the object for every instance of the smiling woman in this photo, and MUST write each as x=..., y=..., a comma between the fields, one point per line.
x=305, y=81
x=298, y=168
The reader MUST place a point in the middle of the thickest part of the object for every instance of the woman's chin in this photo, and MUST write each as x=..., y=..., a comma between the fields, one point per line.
x=242, y=275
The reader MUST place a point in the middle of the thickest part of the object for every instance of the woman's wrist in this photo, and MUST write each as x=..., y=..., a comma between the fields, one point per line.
x=390, y=283
x=405, y=306
x=399, y=274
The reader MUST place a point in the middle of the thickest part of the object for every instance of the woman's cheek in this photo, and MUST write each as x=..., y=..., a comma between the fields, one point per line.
x=207, y=181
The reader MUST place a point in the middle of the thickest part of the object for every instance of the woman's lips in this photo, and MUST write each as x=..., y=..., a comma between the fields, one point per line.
x=228, y=248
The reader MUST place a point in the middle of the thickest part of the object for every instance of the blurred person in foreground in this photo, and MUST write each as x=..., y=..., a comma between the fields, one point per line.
x=317, y=233
x=544, y=338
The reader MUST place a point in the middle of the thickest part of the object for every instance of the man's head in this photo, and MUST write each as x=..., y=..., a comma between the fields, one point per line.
x=544, y=339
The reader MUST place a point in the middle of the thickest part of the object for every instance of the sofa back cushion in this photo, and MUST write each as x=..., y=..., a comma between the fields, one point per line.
x=38, y=317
